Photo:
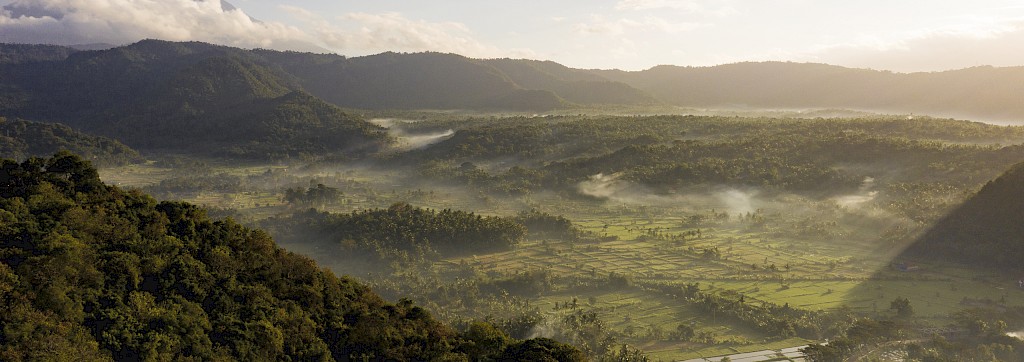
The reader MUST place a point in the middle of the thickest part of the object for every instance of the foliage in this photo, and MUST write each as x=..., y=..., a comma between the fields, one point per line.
x=664, y=155
x=902, y=307
x=543, y=225
x=21, y=139
x=317, y=195
x=985, y=230
x=862, y=333
x=191, y=97
x=400, y=228
x=92, y=272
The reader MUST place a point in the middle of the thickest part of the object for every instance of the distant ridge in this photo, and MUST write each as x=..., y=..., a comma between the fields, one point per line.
x=146, y=93
x=979, y=92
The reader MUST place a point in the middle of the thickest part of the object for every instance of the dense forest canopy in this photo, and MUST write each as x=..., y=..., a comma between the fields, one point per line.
x=93, y=272
x=20, y=139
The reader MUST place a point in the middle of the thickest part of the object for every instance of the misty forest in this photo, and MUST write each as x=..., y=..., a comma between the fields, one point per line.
x=189, y=201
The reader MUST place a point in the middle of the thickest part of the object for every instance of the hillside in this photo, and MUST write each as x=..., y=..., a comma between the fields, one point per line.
x=25, y=53
x=987, y=230
x=194, y=97
x=92, y=272
x=21, y=139
x=411, y=81
x=213, y=99
x=980, y=92
x=573, y=85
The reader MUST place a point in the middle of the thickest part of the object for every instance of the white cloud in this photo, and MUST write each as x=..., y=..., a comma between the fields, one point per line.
x=688, y=5
x=123, y=21
x=599, y=25
x=962, y=46
x=364, y=33
x=720, y=8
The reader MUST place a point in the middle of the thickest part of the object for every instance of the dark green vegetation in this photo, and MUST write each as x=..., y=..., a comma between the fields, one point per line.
x=20, y=139
x=683, y=236
x=975, y=335
x=398, y=229
x=189, y=97
x=987, y=230
x=92, y=272
x=623, y=158
x=671, y=236
x=28, y=53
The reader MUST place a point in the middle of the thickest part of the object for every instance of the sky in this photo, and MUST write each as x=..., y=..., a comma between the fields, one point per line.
x=896, y=35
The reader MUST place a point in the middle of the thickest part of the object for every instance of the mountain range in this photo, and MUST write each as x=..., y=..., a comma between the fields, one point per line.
x=172, y=95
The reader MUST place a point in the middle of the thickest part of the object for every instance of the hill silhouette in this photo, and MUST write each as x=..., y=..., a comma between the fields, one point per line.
x=980, y=92
x=159, y=94
x=986, y=231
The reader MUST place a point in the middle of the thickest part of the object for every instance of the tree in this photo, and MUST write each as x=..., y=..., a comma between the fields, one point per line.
x=902, y=307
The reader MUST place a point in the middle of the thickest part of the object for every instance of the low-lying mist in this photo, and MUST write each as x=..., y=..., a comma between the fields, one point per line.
x=614, y=189
x=864, y=194
x=408, y=140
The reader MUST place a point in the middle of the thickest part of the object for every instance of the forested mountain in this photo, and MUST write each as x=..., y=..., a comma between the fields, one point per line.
x=158, y=94
x=186, y=96
x=411, y=81
x=23, y=53
x=20, y=139
x=92, y=272
x=987, y=230
x=980, y=92
x=571, y=84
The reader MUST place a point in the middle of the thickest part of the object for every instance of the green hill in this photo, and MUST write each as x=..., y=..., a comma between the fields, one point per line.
x=91, y=272
x=412, y=81
x=155, y=79
x=986, y=231
x=190, y=97
x=21, y=139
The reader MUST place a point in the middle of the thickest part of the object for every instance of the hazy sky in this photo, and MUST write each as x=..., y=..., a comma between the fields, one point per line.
x=625, y=34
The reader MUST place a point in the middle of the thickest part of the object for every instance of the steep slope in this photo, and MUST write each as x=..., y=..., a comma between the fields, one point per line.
x=20, y=139
x=193, y=97
x=986, y=231
x=92, y=272
x=983, y=92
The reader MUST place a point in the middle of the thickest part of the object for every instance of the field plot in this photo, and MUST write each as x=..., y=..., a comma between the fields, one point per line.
x=755, y=266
